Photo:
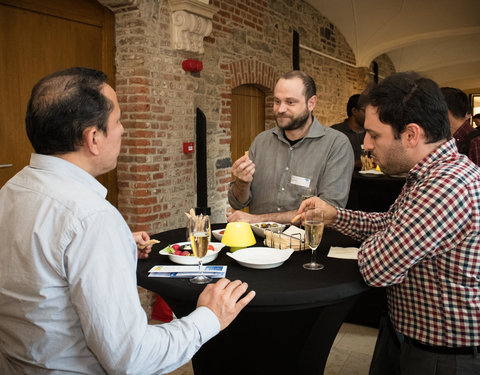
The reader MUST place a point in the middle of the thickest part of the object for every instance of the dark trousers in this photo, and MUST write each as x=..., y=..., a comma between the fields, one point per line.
x=395, y=355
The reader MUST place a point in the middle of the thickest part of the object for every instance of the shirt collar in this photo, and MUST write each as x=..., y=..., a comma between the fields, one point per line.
x=422, y=167
x=462, y=131
x=67, y=169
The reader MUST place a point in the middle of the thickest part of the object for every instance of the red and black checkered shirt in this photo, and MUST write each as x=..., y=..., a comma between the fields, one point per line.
x=474, y=148
x=426, y=250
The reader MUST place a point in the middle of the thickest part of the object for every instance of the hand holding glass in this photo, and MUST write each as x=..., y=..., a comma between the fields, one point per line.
x=198, y=229
x=313, y=235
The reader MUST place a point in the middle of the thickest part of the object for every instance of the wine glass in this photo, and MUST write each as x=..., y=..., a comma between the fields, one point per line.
x=313, y=235
x=199, y=233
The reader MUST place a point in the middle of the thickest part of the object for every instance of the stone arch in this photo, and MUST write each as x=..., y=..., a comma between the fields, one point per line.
x=252, y=72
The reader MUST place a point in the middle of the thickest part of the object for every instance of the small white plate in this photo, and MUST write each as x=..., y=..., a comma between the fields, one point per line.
x=261, y=257
x=259, y=231
x=181, y=259
x=371, y=172
x=218, y=234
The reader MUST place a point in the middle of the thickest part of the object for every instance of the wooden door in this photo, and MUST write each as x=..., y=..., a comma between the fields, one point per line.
x=248, y=118
x=38, y=37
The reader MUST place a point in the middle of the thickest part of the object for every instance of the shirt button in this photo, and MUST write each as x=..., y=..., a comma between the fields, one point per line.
x=278, y=208
x=291, y=148
x=286, y=168
x=283, y=189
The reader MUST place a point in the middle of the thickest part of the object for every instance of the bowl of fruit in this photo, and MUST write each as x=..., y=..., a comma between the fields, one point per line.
x=181, y=253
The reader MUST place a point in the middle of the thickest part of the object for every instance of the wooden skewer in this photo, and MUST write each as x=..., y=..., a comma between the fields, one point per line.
x=296, y=218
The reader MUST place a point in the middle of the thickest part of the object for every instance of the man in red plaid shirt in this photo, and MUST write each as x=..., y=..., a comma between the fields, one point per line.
x=466, y=137
x=426, y=249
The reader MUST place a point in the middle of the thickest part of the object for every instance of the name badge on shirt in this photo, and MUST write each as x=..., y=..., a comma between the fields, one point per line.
x=300, y=181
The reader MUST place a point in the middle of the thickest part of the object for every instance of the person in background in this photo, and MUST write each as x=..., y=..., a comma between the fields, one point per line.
x=68, y=293
x=352, y=126
x=299, y=157
x=466, y=137
x=476, y=120
x=426, y=249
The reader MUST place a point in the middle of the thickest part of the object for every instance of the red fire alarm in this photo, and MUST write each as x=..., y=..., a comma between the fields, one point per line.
x=188, y=147
x=192, y=65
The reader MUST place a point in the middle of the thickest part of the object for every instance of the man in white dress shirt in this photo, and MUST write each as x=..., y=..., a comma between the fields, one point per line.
x=68, y=294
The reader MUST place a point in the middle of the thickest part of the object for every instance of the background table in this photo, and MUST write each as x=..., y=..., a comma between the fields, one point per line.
x=373, y=193
x=289, y=326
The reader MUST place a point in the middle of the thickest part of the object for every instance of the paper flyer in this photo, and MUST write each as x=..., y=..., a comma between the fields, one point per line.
x=187, y=271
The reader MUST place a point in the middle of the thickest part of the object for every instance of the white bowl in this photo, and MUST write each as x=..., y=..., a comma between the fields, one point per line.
x=261, y=257
x=218, y=233
x=259, y=231
x=189, y=260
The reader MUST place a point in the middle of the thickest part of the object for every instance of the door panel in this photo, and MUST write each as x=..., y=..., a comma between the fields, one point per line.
x=38, y=38
x=248, y=118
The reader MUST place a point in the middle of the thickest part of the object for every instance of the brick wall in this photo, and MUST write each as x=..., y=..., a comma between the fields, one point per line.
x=251, y=43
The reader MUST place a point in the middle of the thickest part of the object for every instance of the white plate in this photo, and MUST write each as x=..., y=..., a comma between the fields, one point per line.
x=217, y=234
x=259, y=231
x=261, y=257
x=181, y=259
x=371, y=172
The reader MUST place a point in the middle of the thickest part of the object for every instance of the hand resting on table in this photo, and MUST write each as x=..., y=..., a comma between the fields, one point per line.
x=223, y=299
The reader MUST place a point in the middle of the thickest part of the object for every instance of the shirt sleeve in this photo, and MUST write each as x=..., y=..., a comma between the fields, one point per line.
x=234, y=202
x=101, y=268
x=429, y=223
x=334, y=185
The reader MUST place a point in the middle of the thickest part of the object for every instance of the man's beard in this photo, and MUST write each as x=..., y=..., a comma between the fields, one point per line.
x=295, y=122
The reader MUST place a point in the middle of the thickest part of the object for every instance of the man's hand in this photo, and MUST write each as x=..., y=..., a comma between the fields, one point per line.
x=243, y=169
x=222, y=298
x=330, y=212
x=141, y=238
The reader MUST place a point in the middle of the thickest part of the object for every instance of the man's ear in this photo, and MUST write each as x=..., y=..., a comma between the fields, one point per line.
x=91, y=139
x=311, y=103
x=412, y=134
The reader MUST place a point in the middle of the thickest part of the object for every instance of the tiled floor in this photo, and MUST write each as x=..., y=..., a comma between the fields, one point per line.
x=350, y=355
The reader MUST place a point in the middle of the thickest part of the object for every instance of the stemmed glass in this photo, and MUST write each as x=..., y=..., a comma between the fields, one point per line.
x=313, y=235
x=199, y=232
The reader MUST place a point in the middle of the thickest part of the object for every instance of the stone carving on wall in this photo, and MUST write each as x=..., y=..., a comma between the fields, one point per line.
x=191, y=22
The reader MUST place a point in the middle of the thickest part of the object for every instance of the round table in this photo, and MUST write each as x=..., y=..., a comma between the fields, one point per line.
x=288, y=327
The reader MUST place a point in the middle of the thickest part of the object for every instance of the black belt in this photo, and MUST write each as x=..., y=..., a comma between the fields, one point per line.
x=464, y=350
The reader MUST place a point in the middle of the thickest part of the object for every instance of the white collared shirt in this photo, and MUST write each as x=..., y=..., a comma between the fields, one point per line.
x=68, y=294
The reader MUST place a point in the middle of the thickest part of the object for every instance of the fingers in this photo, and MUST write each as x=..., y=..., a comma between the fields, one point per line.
x=243, y=168
x=245, y=300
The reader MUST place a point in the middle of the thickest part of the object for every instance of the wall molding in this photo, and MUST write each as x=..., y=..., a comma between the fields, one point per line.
x=191, y=22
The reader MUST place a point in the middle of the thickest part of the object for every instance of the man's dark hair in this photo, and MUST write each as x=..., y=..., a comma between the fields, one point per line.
x=310, y=89
x=457, y=101
x=62, y=105
x=352, y=103
x=477, y=115
x=404, y=98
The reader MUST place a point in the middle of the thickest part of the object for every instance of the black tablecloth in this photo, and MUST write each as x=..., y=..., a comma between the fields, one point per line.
x=289, y=326
x=288, y=287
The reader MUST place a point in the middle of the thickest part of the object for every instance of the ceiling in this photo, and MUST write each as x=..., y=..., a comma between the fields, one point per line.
x=438, y=38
